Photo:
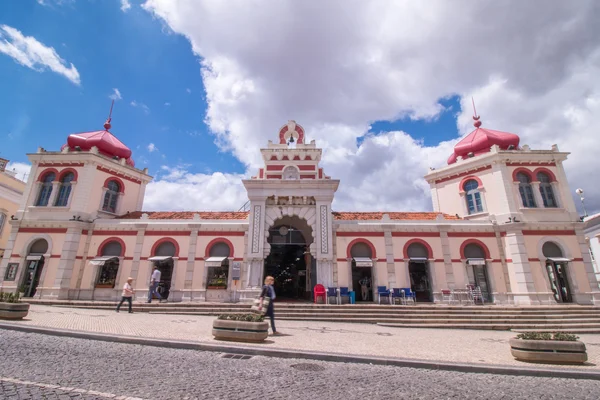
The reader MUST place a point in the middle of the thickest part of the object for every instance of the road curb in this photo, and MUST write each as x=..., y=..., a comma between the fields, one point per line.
x=320, y=356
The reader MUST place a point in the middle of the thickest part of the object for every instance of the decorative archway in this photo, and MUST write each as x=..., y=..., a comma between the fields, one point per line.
x=216, y=241
x=295, y=217
x=109, y=240
x=360, y=240
x=163, y=240
x=467, y=242
x=417, y=241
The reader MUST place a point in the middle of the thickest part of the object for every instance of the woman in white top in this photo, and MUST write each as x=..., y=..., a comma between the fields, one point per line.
x=127, y=294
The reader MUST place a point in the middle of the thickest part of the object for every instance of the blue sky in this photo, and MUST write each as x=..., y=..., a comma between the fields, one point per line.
x=148, y=64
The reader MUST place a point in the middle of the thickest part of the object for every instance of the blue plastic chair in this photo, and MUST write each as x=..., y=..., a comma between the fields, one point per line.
x=398, y=294
x=344, y=292
x=332, y=292
x=409, y=294
x=382, y=291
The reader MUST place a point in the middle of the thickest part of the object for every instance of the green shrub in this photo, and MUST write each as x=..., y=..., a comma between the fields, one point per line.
x=9, y=297
x=242, y=317
x=560, y=336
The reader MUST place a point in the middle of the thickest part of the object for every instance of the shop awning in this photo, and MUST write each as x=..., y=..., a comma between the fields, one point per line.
x=559, y=259
x=159, y=258
x=363, y=262
x=33, y=258
x=214, y=261
x=418, y=259
x=476, y=261
x=102, y=260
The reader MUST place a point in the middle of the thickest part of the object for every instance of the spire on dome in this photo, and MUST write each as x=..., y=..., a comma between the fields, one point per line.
x=107, y=124
x=476, y=117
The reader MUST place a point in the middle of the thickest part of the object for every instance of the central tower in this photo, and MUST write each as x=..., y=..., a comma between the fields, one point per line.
x=291, y=192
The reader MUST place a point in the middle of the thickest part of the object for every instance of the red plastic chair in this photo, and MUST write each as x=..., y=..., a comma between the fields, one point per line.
x=320, y=291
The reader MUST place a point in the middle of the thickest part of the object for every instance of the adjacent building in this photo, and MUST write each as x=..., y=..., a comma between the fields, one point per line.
x=503, y=221
x=11, y=190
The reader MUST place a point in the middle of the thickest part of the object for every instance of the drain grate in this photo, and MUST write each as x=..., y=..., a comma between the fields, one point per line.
x=308, y=367
x=236, y=356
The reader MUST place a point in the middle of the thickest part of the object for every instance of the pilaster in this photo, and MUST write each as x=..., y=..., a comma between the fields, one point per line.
x=521, y=278
x=189, y=271
x=447, y=255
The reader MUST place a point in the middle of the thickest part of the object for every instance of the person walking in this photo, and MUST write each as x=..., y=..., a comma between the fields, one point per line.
x=269, y=291
x=128, y=292
x=154, y=281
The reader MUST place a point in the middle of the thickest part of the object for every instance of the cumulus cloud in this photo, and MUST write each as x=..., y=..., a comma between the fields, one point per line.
x=144, y=107
x=533, y=68
x=189, y=191
x=125, y=5
x=116, y=95
x=20, y=169
x=151, y=148
x=29, y=52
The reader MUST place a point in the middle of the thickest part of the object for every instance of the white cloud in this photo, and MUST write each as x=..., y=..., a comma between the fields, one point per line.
x=144, y=107
x=116, y=94
x=210, y=192
x=167, y=104
x=21, y=169
x=188, y=90
x=533, y=68
x=125, y=5
x=29, y=52
x=151, y=148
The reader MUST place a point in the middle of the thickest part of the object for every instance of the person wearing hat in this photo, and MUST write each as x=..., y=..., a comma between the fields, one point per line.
x=127, y=294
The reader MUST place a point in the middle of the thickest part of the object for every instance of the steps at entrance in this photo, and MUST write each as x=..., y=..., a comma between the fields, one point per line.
x=566, y=318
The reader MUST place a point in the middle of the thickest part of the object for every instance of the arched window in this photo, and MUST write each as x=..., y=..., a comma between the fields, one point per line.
x=64, y=190
x=45, y=189
x=111, y=196
x=218, y=266
x=546, y=190
x=556, y=267
x=525, y=190
x=290, y=172
x=473, y=196
x=2, y=221
x=107, y=275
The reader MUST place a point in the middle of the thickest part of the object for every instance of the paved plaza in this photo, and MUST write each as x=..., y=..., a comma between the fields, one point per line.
x=49, y=367
x=445, y=345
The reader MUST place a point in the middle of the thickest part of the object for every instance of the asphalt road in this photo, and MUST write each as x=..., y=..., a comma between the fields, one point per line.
x=34, y=366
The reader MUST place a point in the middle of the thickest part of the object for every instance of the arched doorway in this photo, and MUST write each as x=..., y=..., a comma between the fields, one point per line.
x=418, y=270
x=362, y=271
x=35, y=264
x=289, y=260
x=556, y=267
x=163, y=259
x=108, y=264
x=477, y=269
x=217, y=265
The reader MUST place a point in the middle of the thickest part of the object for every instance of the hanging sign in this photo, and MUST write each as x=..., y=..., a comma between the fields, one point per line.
x=236, y=271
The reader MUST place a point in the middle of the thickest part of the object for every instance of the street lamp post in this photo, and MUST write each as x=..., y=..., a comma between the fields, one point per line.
x=580, y=193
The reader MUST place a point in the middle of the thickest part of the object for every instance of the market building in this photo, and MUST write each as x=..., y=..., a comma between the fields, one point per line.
x=503, y=221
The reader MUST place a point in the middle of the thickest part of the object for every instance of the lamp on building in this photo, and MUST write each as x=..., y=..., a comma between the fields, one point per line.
x=579, y=191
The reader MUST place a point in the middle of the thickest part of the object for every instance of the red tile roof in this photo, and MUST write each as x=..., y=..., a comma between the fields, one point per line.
x=225, y=215
x=403, y=216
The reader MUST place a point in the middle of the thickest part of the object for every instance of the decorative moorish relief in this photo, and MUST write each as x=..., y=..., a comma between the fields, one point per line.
x=324, y=230
x=290, y=200
x=255, y=228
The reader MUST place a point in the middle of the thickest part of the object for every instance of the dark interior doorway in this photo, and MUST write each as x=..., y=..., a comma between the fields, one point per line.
x=163, y=259
x=34, y=264
x=419, y=272
x=288, y=260
x=362, y=271
x=556, y=267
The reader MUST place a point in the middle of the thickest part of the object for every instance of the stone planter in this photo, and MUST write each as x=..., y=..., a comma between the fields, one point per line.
x=240, y=331
x=13, y=310
x=548, y=351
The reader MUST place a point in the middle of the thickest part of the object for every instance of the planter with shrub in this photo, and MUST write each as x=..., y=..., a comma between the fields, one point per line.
x=240, y=328
x=546, y=347
x=11, y=306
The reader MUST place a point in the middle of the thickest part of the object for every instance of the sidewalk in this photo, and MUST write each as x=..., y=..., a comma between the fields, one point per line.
x=477, y=347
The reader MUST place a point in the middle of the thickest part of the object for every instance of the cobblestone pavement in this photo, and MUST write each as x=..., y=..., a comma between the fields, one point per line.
x=47, y=367
x=451, y=345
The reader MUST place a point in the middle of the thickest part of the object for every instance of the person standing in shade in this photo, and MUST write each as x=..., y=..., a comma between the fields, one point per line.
x=269, y=291
x=128, y=292
x=154, y=281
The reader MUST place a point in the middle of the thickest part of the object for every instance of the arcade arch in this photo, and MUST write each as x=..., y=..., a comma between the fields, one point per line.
x=34, y=262
x=362, y=253
x=476, y=254
x=163, y=257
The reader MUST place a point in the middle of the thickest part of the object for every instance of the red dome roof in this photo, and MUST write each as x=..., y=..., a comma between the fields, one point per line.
x=105, y=141
x=480, y=140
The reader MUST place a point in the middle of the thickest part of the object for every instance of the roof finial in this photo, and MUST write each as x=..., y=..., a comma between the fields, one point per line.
x=107, y=124
x=476, y=117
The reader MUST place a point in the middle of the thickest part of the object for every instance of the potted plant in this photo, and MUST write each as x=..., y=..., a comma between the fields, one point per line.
x=240, y=327
x=547, y=347
x=11, y=306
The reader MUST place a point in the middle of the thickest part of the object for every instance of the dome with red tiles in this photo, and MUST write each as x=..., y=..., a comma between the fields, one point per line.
x=107, y=144
x=480, y=140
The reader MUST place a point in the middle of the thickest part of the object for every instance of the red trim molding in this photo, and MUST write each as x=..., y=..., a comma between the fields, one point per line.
x=119, y=181
x=420, y=241
x=466, y=173
x=274, y=167
x=523, y=170
x=111, y=233
x=112, y=239
x=219, y=240
x=49, y=164
x=164, y=240
x=545, y=171
x=42, y=230
x=360, y=240
x=46, y=172
x=66, y=171
x=415, y=234
x=471, y=234
x=217, y=233
x=274, y=176
x=108, y=171
x=307, y=177
x=532, y=164
x=548, y=233
x=359, y=234
x=468, y=178
x=464, y=244
x=307, y=167
x=167, y=233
